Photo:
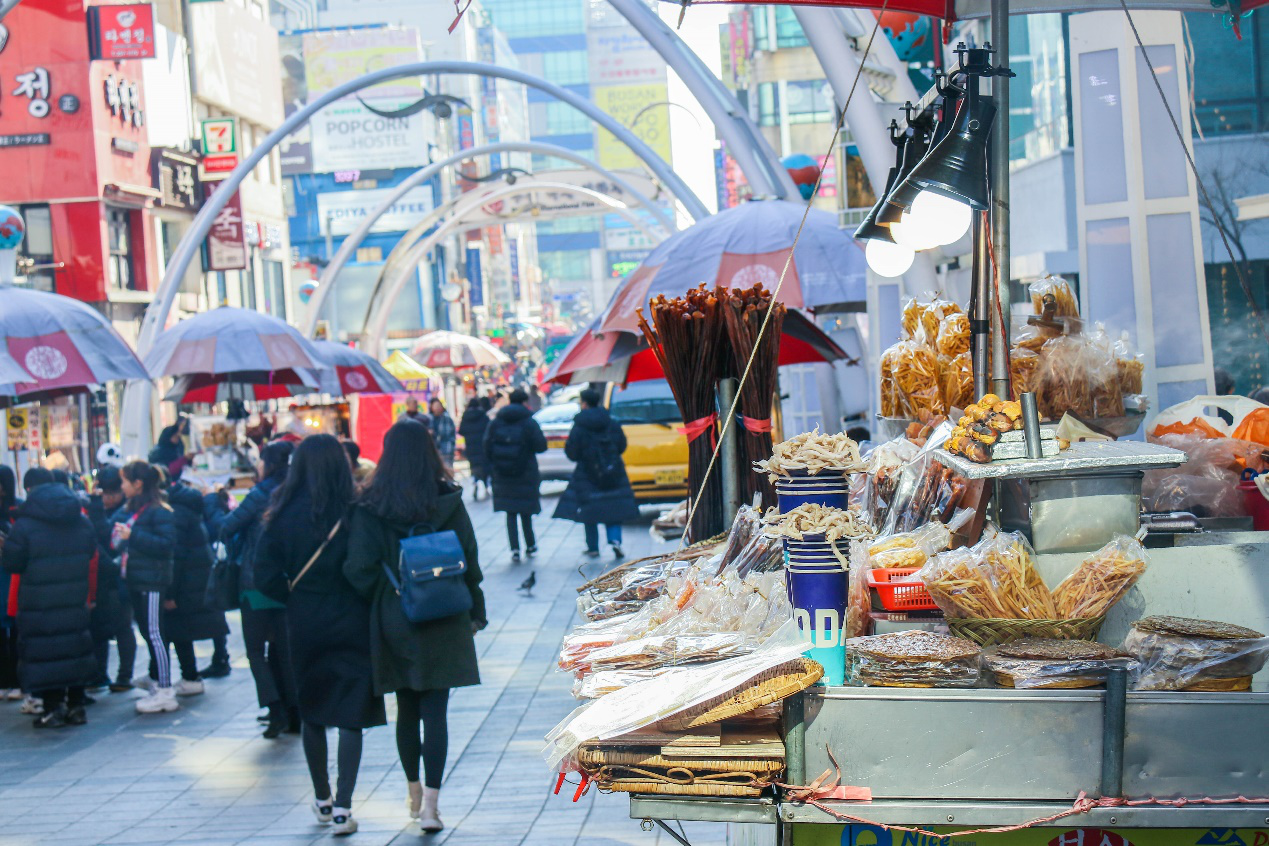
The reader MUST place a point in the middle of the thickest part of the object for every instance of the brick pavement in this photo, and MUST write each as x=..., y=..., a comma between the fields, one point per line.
x=204, y=776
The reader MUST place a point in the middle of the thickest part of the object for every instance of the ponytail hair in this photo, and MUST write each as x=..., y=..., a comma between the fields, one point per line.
x=147, y=475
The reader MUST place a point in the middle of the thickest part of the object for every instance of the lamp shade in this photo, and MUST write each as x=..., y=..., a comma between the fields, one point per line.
x=913, y=152
x=869, y=229
x=957, y=166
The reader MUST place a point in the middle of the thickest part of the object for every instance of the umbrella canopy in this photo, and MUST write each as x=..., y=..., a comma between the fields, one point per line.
x=413, y=376
x=232, y=340
x=742, y=246
x=351, y=371
x=625, y=358
x=443, y=349
x=242, y=385
x=959, y=9
x=58, y=345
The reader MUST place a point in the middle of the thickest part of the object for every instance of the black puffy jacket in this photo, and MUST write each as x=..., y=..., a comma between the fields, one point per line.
x=242, y=527
x=514, y=429
x=51, y=545
x=597, y=439
x=150, y=548
x=192, y=618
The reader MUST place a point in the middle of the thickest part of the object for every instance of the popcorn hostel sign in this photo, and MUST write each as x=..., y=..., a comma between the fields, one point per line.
x=348, y=136
x=121, y=32
x=343, y=211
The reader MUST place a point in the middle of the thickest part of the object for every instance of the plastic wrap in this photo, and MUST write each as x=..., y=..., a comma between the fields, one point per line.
x=910, y=322
x=1130, y=365
x=911, y=659
x=889, y=388
x=910, y=549
x=1207, y=484
x=1176, y=661
x=1067, y=305
x=1078, y=374
x=1033, y=338
x=916, y=375
x=1108, y=399
x=932, y=317
x=926, y=489
x=670, y=649
x=995, y=578
x=1101, y=579
x=1024, y=364
x=953, y=335
x=1052, y=673
x=858, y=598
x=595, y=685
x=956, y=381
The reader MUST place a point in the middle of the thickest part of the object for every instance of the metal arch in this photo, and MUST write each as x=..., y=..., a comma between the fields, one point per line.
x=393, y=278
x=353, y=240
x=136, y=415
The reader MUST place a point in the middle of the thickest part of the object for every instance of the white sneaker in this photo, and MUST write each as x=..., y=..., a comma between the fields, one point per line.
x=429, y=817
x=161, y=699
x=15, y=694
x=31, y=705
x=143, y=683
x=185, y=687
x=323, y=810
x=414, y=799
x=343, y=822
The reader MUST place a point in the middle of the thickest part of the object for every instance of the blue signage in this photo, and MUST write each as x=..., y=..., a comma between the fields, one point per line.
x=475, y=283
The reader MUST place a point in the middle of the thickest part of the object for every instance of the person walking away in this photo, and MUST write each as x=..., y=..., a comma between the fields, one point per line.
x=112, y=614
x=52, y=547
x=472, y=427
x=412, y=412
x=361, y=467
x=534, y=401
x=222, y=591
x=170, y=449
x=299, y=562
x=188, y=617
x=443, y=432
x=10, y=687
x=599, y=491
x=263, y=619
x=419, y=662
x=512, y=444
x=144, y=536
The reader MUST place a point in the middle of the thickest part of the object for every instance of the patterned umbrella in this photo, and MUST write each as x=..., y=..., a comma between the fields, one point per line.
x=451, y=350
x=233, y=340
x=59, y=345
x=742, y=246
x=242, y=385
x=351, y=371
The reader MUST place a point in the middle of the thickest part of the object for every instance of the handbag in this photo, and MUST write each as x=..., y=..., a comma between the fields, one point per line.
x=222, y=584
x=430, y=576
x=334, y=530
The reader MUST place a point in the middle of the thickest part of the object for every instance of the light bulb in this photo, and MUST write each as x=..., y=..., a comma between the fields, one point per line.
x=945, y=220
x=888, y=260
x=913, y=232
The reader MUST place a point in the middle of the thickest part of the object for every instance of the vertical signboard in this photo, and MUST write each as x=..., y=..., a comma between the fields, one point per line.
x=475, y=281
x=295, y=152
x=116, y=33
x=628, y=81
x=513, y=256
x=227, y=238
x=220, y=146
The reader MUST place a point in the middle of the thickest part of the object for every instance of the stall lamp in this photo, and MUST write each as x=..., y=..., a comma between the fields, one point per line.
x=888, y=259
x=869, y=228
x=893, y=208
x=957, y=167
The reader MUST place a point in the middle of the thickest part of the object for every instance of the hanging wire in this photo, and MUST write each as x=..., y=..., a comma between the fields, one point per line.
x=788, y=261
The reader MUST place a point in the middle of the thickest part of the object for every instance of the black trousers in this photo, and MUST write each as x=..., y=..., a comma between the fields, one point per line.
x=425, y=708
x=347, y=759
x=526, y=520
x=125, y=642
x=72, y=697
x=268, y=648
x=9, y=656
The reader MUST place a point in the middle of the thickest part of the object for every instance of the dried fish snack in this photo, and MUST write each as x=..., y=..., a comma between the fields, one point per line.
x=932, y=317
x=953, y=335
x=1047, y=663
x=1180, y=653
x=956, y=381
x=1101, y=579
x=1062, y=295
x=911, y=659
x=994, y=579
x=811, y=454
x=815, y=519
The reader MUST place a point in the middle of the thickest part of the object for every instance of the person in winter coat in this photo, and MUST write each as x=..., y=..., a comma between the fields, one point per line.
x=144, y=536
x=599, y=491
x=263, y=619
x=299, y=562
x=188, y=617
x=52, y=547
x=472, y=427
x=512, y=444
x=412, y=412
x=215, y=510
x=171, y=445
x=443, y=431
x=112, y=615
x=419, y=662
x=10, y=687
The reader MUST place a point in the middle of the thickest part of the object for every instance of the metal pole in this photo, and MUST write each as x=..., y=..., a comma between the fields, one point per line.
x=795, y=738
x=999, y=167
x=1114, y=724
x=979, y=319
x=729, y=454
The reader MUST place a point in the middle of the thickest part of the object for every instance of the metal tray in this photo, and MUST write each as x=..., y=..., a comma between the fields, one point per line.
x=1082, y=457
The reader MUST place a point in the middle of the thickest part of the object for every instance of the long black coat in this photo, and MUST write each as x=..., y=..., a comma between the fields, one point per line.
x=414, y=656
x=109, y=601
x=192, y=618
x=150, y=548
x=328, y=621
x=519, y=493
x=472, y=427
x=242, y=527
x=585, y=500
x=51, y=545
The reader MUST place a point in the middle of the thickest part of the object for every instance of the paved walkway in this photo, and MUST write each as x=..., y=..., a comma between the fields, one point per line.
x=203, y=775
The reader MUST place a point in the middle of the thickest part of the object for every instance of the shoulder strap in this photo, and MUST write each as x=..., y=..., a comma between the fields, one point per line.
x=316, y=555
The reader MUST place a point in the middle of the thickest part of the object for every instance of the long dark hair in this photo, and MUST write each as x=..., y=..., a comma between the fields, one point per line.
x=275, y=457
x=8, y=490
x=151, y=484
x=319, y=465
x=409, y=477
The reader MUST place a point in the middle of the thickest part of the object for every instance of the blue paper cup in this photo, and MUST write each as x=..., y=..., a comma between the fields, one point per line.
x=818, y=597
x=830, y=492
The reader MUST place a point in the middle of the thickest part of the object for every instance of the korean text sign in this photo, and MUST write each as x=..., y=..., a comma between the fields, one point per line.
x=121, y=32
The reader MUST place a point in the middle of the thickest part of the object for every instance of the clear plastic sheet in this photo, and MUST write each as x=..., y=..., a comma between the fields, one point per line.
x=1038, y=673
x=1207, y=484
x=595, y=685
x=1101, y=579
x=1173, y=662
x=995, y=578
x=957, y=668
x=1067, y=305
x=858, y=599
x=910, y=549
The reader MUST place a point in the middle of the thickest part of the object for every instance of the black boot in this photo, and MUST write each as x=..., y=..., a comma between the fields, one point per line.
x=218, y=669
x=277, y=721
x=293, y=722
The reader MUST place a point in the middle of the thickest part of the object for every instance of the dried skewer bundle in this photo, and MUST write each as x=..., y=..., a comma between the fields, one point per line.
x=744, y=312
x=686, y=336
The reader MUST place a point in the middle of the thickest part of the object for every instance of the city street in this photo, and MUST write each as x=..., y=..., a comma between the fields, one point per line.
x=203, y=775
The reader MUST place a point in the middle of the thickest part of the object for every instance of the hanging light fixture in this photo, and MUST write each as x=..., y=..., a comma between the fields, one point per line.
x=917, y=144
x=869, y=229
x=957, y=167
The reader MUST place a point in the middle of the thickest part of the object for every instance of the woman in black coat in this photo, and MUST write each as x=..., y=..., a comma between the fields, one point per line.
x=511, y=446
x=599, y=491
x=420, y=662
x=188, y=617
x=144, y=535
x=472, y=427
x=52, y=546
x=328, y=622
x=9, y=684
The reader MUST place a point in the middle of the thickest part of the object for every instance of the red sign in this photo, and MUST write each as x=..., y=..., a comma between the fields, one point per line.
x=227, y=239
x=121, y=32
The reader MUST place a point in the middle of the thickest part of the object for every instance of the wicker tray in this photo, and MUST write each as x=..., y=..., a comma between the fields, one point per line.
x=655, y=787
x=593, y=756
x=990, y=631
x=775, y=684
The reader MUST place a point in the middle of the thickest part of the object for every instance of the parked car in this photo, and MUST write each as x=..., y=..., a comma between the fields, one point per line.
x=656, y=451
x=556, y=422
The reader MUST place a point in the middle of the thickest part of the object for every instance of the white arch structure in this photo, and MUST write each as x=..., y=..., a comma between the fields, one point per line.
x=330, y=275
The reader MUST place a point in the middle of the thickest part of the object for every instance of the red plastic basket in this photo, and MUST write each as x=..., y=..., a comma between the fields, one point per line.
x=900, y=596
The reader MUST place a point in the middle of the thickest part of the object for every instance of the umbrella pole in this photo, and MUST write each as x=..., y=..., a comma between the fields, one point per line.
x=998, y=167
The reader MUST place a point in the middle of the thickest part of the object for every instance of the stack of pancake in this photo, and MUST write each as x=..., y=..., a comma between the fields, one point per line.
x=911, y=659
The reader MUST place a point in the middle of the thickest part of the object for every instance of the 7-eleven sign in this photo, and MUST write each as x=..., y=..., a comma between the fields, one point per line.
x=220, y=147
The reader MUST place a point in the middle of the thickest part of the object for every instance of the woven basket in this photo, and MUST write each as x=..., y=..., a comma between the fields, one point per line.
x=774, y=684
x=594, y=756
x=990, y=631
x=654, y=787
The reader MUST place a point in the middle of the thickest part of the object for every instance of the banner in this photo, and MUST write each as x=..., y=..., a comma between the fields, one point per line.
x=475, y=282
x=17, y=425
x=348, y=136
x=227, y=238
x=624, y=103
x=343, y=211
x=333, y=57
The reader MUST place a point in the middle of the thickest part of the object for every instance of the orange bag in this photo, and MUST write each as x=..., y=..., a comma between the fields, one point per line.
x=1254, y=427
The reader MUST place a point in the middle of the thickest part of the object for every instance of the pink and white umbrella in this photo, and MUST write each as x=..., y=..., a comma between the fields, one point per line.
x=232, y=340
x=351, y=371
x=242, y=385
x=62, y=346
x=451, y=350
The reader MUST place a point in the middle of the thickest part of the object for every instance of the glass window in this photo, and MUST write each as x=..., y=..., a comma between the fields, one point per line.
x=806, y=102
x=35, y=252
x=566, y=67
x=554, y=414
x=247, y=285
x=788, y=30
x=645, y=402
x=1231, y=83
x=274, y=289
x=533, y=18
x=119, y=241
x=563, y=119
x=768, y=104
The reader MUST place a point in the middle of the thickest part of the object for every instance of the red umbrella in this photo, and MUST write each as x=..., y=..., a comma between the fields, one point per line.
x=241, y=385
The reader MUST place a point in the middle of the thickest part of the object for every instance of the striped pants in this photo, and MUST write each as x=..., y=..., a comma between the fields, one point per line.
x=147, y=606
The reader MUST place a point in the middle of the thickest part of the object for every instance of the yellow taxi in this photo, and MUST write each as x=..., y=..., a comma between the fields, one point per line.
x=656, y=451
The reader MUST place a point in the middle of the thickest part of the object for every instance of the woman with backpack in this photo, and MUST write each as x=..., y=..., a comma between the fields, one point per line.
x=472, y=427
x=299, y=563
x=144, y=536
x=411, y=494
x=512, y=443
x=189, y=617
x=599, y=491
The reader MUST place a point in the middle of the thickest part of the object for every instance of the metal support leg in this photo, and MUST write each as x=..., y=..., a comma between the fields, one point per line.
x=795, y=739
x=999, y=169
x=1114, y=719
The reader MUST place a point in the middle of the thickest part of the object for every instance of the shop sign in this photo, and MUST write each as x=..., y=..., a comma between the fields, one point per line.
x=333, y=57
x=34, y=85
x=220, y=146
x=235, y=56
x=176, y=177
x=618, y=55
x=226, y=241
x=348, y=136
x=61, y=428
x=475, y=281
x=17, y=423
x=121, y=32
x=625, y=103
x=124, y=99
x=513, y=256
x=29, y=139
x=34, y=438
x=340, y=212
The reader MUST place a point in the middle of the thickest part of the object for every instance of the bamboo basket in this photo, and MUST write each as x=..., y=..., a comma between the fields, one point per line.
x=655, y=787
x=597, y=756
x=681, y=781
x=774, y=684
x=991, y=631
